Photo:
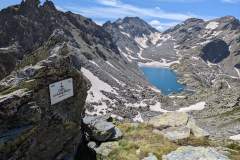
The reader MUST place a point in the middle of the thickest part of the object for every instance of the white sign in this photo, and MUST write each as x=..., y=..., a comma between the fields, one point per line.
x=60, y=91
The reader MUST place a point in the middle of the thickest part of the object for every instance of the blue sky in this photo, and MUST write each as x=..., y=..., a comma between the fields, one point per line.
x=159, y=13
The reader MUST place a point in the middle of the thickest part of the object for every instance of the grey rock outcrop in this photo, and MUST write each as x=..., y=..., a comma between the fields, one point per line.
x=32, y=128
x=176, y=133
x=105, y=149
x=100, y=130
x=176, y=126
x=171, y=119
x=196, y=130
x=191, y=153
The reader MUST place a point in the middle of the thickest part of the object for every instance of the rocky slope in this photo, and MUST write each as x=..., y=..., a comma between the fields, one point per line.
x=122, y=82
x=207, y=62
x=132, y=35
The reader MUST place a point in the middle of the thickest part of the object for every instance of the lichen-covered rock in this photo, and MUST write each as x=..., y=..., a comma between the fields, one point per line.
x=32, y=128
x=196, y=130
x=194, y=153
x=105, y=149
x=177, y=126
x=171, y=119
x=176, y=133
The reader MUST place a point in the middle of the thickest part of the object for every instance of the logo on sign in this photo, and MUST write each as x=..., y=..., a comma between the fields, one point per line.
x=60, y=91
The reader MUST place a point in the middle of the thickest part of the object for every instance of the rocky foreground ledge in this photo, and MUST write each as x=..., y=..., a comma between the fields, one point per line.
x=32, y=128
x=170, y=136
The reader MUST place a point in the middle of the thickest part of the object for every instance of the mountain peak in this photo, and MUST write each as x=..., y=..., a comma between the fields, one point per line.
x=49, y=4
x=135, y=26
x=228, y=18
x=193, y=20
x=128, y=19
x=31, y=3
x=229, y=22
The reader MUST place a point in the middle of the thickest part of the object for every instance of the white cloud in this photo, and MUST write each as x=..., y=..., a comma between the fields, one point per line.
x=108, y=2
x=100, y=23
x=60, y=8
x=230, y=1
x=113, y=9
x=162, y=26
x=181, y=1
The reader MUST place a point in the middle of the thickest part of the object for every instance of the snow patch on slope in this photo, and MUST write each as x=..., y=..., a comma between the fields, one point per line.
x=157, y=108
x=138, y=118
x=126, y=34
x=212, y=25
x=95, y=94
x=110, y=64
x=94, y=63
x=238, y=72
x=195, y=107
x=142, y=41
x=125, y=55
x=235, y=138
x=155, y=37
x=158, y=64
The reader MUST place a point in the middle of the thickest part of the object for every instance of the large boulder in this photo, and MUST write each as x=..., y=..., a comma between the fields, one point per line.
x=176, y=133
x=195, y=153
x=99, y=129
x=196, y=130
x=176, y=126
x=170, y=119
x=215, y=51
x=32, y=128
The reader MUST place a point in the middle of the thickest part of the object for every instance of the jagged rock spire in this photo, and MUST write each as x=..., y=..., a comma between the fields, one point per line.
x=31, y=3
x=49, y=4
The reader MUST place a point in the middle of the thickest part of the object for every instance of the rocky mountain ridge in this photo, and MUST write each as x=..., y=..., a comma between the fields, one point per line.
x=27, y=26
x=132, y=35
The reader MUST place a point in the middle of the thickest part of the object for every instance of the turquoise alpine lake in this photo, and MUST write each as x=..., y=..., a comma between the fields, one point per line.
x=164, y=79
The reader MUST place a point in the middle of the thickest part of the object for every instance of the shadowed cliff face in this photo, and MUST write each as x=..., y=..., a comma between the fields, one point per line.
x=237, y=65
x=215, y=51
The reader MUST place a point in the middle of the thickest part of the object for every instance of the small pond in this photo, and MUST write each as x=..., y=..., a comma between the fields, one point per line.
x=164, y=79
